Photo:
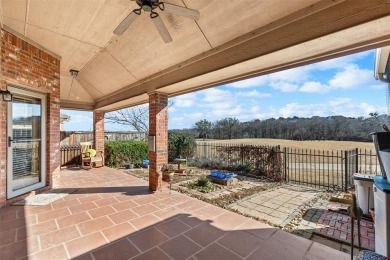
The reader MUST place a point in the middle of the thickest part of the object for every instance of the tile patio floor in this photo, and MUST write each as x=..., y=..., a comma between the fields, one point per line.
x=114, y=216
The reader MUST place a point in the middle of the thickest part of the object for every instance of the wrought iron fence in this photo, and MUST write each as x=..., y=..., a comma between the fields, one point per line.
x=332, y=170
x=328, y=169
x=70, y=155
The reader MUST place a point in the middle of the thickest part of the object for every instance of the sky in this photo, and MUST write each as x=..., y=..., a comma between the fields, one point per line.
x=342, y=86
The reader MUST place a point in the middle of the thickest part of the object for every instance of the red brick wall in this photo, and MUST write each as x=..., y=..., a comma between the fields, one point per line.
x=158, y=126
x=98, y=130
x=23, y=64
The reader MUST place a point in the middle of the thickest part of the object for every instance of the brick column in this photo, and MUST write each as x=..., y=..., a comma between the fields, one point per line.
x=98, y=130
x=158, y=127
x=3, y=153
x=53, y=155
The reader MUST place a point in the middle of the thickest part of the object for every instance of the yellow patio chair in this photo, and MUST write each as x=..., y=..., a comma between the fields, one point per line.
x=89, y=156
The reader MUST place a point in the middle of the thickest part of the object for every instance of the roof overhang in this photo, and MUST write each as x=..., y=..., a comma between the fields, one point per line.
x=233, y=40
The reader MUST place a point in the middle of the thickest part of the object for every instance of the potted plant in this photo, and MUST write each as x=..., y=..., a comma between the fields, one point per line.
x=168, y=171
x=129, y=165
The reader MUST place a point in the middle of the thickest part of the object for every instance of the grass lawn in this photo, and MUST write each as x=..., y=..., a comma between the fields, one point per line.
x=317, y=145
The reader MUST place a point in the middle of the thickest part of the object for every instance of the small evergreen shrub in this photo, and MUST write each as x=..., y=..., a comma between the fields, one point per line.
x=180, y=145
x=118, y=153
x=202, y=184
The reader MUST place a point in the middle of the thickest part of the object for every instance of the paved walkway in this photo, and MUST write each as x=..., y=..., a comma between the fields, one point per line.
x=278, y=206
x=301, y=211
x=113, y=216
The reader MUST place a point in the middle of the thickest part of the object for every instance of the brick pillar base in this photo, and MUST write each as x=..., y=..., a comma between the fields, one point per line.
x=98, y=130
x=158, y=127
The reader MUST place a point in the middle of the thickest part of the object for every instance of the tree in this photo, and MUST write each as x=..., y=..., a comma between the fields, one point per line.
x=230, y=127
x=136, y=117
x=180, y=145
x=203, y=127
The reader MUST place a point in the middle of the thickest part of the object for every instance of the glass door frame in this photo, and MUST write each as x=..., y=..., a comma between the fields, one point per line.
x=26, y=93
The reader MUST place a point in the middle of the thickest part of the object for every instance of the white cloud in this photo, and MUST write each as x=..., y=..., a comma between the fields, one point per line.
x=299, y=74
x=284, y=86
x=217, y=95
x=339, y=63
x=314, y=87
x=352, y=77
x=332, y=79
x=339, y=101
x=79, y=122
x=342, y=106
x=349, y=76
x=232, y=111
x=307, y=110
x=367, y=108
x=194, y=116
x=80, y=119
x=186, y=100
x=253, y=93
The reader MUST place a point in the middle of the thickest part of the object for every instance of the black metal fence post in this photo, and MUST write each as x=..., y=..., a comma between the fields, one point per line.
x=356, y=160
x=345, y=171
x=242, y=154
x=285, y=162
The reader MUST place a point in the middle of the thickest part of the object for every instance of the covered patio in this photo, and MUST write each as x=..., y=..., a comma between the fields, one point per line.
x=64, y=54
x=112, y=215
x=69, y=54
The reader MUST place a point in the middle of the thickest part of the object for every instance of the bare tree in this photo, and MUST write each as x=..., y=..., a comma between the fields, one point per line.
x=136, y=117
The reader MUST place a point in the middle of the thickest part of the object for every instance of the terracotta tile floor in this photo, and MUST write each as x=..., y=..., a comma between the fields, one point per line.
x=114, y=216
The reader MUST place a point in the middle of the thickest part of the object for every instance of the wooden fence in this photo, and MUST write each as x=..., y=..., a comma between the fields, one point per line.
x=74, y=138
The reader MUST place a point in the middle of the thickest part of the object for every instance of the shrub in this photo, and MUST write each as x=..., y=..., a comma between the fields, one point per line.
x=206, y=163
x=202, y=184
x=257, y=160
x=246, y=167
x=118, y=153
x=180, y=145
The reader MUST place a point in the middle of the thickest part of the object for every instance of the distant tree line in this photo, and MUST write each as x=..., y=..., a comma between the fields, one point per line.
x=339, y=128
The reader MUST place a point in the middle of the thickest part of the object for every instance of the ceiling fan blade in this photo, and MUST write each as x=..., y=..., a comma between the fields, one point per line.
x=122, y=27
x=162, y=29
x=179, y=10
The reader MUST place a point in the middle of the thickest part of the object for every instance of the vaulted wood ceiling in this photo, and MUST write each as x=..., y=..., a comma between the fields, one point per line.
x=233, y=39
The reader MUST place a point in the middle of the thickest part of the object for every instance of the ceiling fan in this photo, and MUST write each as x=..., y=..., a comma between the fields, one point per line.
x=150, y=6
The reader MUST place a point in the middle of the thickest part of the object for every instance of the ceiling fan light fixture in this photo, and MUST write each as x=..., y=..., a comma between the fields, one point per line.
x=150, y=6
x=146, y=8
